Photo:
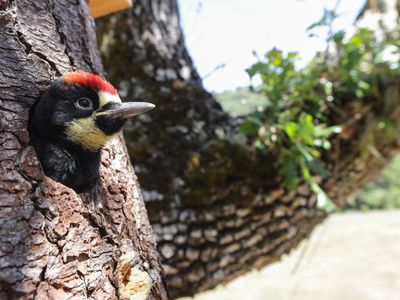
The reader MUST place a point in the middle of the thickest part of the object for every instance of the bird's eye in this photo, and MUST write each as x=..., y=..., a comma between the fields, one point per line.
x=84, y=103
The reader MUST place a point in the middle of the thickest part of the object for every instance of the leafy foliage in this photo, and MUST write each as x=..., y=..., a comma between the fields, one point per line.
x=295, y=124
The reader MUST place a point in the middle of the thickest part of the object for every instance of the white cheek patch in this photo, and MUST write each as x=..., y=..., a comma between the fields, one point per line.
x=105, y=98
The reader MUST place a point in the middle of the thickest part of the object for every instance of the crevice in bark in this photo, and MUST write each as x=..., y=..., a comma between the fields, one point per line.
x=63, y=39
x=100, y=227
x=28, y=50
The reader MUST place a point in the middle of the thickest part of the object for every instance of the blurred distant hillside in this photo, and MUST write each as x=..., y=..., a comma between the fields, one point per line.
x=240, y=101
x=383, y=193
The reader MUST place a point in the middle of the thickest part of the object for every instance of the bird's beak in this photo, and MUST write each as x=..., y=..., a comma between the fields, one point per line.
x=126, y=110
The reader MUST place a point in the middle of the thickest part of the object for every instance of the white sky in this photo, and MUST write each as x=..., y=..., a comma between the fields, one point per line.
x=227, y=31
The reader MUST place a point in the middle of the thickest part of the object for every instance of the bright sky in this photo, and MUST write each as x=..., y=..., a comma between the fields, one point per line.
x=227, y=31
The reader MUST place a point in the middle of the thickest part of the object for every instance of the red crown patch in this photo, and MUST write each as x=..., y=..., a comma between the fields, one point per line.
x=89, y=80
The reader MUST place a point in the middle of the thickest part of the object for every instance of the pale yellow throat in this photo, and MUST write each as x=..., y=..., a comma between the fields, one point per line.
x=85, y=133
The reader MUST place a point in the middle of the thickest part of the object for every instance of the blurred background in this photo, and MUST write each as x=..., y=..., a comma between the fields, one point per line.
x=271, y=116
x=368, y=244
x=248, y=31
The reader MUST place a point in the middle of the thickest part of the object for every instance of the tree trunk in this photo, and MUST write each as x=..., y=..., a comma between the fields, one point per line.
x=55, y=244
x=217, y=207
x=383, y=17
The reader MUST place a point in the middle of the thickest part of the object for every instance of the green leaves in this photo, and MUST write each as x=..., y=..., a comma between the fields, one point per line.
x=324, y=202
x=277, y=72
x=251, y=125
x=293, y=125
x=306, y=139
x=291, y=129
x=288, y=119
x=301, y=131
x=288, y=169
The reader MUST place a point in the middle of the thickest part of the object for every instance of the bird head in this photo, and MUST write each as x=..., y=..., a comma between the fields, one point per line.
x=83, y=109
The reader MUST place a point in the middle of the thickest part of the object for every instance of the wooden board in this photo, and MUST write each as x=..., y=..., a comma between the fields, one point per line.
x=99, y=8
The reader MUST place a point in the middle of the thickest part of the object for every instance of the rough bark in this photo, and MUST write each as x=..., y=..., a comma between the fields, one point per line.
x=55, y=244
x=218, y=208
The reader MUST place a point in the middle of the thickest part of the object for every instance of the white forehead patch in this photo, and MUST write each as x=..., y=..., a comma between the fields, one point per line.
x=105, y=98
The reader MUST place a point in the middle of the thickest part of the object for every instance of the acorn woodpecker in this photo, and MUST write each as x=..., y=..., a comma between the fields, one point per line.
x=76, y=116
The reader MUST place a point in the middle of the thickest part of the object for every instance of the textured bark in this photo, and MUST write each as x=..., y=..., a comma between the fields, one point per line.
x=55, y=244
x=218, y=208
